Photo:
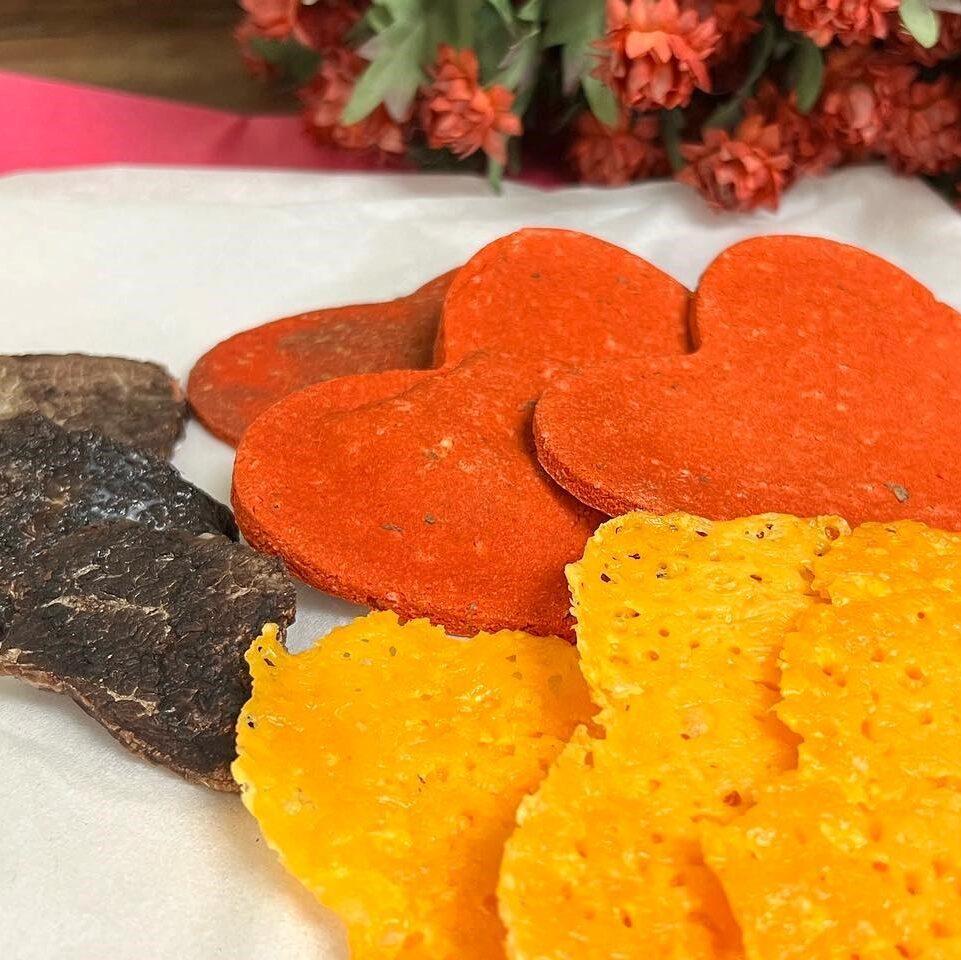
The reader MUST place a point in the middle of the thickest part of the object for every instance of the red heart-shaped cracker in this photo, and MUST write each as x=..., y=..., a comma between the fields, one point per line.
x=826, y=381
x=562, y=294
x=242, y=376
x=431, y=502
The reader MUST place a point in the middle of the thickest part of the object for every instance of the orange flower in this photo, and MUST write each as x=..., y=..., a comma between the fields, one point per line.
x=654, y=54
x=736, y=21
x=742, y=172
x=924, y=132
x=320, y=26
x=804, y=140
x=324, y=101
x=862, y=88
x=461, y=115
x=850, y=21
x=323, y=25
x=613, y=156
x=255, y=64
x=272, y=18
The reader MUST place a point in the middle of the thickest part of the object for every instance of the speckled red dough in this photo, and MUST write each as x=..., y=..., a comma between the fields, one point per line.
x=827, y=381
x=429, y=502
x=238, y=379
x=562, y=294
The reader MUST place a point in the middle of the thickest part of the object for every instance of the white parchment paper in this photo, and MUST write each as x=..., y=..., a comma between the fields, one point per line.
x=101, y=853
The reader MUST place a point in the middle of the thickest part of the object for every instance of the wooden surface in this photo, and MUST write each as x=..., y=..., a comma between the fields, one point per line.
x=180, y=49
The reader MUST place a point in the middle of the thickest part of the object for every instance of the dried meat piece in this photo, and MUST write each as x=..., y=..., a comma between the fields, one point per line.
x=562, y=294
x=131, y=401
x=53, y=481
x=147, y=630
x=233, y=383
x=679, y=621
x=428, y=501
x=826, y=381
x=385, y=765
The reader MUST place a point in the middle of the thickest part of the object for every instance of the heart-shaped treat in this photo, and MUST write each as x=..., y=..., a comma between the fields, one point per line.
x=428, y=499
x=429, y=502
x=826, y=381
x=562, y=294
x=238, y=379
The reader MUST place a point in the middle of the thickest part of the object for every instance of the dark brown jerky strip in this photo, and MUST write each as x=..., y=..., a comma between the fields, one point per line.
x=134, y=402
x=147, y=630
x=53, y=481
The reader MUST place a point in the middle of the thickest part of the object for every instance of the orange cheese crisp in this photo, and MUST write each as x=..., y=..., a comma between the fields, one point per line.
x=857, y=853
x=679, y=622
x=385, y=766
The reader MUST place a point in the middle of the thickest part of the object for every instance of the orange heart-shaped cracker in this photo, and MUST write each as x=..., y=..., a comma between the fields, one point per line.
x=826, y=381
x=233, y=383
x=562, y=294
x=429, y=501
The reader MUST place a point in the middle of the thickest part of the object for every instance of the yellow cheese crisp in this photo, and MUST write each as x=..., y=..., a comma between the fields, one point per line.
x=857, y=853
x=385, y=766
x=679, y=623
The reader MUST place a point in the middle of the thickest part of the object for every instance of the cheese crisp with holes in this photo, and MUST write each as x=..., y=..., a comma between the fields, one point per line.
x=857, y=853
x=385, y=766
x=679, y=625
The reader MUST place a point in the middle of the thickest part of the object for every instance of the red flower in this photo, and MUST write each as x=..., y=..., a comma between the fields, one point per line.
x=613, y=156
x=861, y=90
x=850, y=21
x=736, y=22
x=654, y=54
x=805, y=141
x=243, y=34
x=948, y=45
x=327, y=95
x=742, y=172
x=272, y=18
x=924, y=133
x=324, y=24
x=460, y=114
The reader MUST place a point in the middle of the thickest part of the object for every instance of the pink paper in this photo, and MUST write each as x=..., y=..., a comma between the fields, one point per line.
x=46, y=124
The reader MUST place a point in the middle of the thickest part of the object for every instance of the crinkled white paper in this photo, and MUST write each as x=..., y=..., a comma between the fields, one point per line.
x=101, y=853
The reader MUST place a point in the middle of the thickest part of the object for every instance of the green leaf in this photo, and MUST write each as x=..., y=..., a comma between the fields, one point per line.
x=530, y=12
x=378, y=18
x=920, y=21
x=672, y=123
x=518, y=69
x=394, y=74
x=728, y=115
x=495, y=174
x=492, y=42
x=762, y=49
x=504, y=10
x=451, y=23
x=401, y=9
x=574, y=25
x=807, y=73
x=295, y=63
x=570, y=21
x=601, y=100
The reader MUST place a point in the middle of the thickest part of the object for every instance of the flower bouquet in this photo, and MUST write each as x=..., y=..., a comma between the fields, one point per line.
x=739, y=98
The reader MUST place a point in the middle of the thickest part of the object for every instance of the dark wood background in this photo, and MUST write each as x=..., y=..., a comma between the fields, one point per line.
x=181, y=49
